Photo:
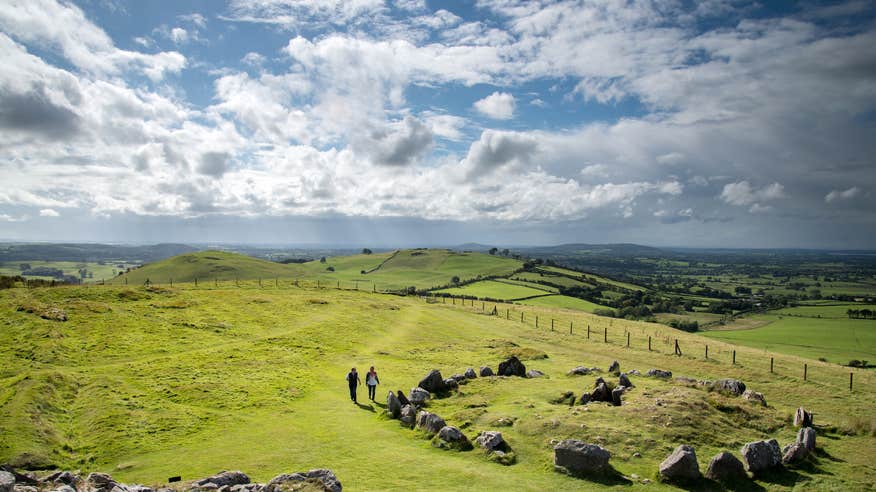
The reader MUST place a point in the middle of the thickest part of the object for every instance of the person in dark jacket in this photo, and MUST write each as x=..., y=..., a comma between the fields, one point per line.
x=371, y=381
x=354, y=381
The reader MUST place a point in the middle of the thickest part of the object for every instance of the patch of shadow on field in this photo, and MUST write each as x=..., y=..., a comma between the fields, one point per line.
x=609, y=477
x=782, y=476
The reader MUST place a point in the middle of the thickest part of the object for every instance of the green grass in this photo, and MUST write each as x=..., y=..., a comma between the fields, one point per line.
x=559, y=280
x=591, y=278
x=148, y=384
x=564, y=302
x=494, y=289
x=838, y=340
x=827, y=309
x=99, y=272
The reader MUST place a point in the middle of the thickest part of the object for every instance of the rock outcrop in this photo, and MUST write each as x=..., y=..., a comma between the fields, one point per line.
x=393, y=405
x=579, y=458
x=755, y=397
x=658, y=373
x=512, y=367
x=624, y=380
x=433, y=382
x=725, y=467
x=419, y=396
x=729, y=385
x=429, y=422
x=470, y=373
x=761, y=455
x=486, y=371
x=320, y=477
x=408, y=415
x=802, y=418
x=681, y=465
x=534, y=373
x=450, y=437
x=614, y=367
x=579, y=371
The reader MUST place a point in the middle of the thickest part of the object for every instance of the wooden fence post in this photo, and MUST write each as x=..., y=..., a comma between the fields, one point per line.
x=628, y=339
x=552, y=324
x=734, y=357
x=588, y=332
x=649, y=343
x=605, y=335
x=707, y=351
x=521, y=317
x=507, y=313
x=851, y=376
x=171, y=282
x=771, y=365
x=570, y=327
x=536, y=321
x=805, y=370
x=196, y=281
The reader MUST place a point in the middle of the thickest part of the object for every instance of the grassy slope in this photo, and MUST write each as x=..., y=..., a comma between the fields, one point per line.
x=494, y=289
x=146, y=385
x=566, y=302
x=206, y=266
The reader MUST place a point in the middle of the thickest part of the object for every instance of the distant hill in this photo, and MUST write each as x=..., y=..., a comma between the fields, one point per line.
x=580, y=249
x=207, y=265
x=90, y=252
x=473, y=247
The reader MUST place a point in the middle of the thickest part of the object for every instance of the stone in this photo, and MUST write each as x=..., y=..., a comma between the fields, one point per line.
x=616, y=395
x=658, y=373
x=450, y=437
x=433, y=382
x=491, y=441
x=794, y=453
x=402, y=398
x=408, y=415
x=579, y=371
x=470, y=373
x=512, y=367
x=754, y=396
x=729, y=385
x=451, y=384
x=624, y=380
x=429, y=422
x=24, y=488
x=20, y=478
x=725, y=467
x=579, y=458
x=459, y=378
x=601, y=393
x=802, y=418
x=64, y=488
x=63, y=477
x=681, y=465
x=7, y=481
x=685, y=380
x=634, y=372
x=320, y=476
x=614, y=367
x=100, y=482
x=143, y=488
x=393, y=405
x=806, y=437
x=486, y=371
x=419, y=396
x=229, y=478
x=534, y=373
x=761, y=455
x=598, y=381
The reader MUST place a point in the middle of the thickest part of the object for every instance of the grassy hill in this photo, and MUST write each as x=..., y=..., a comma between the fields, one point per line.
x=206, y=266
x=150, y=383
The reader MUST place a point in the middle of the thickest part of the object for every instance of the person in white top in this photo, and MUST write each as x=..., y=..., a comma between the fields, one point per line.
x=371, y=381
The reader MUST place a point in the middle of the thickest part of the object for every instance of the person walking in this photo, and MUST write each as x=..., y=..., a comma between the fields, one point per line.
x=354, y=381
x=371, y=381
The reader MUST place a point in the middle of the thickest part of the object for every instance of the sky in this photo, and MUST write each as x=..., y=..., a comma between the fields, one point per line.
x=416, y=122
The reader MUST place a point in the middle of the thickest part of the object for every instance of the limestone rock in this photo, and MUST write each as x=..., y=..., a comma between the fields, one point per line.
x=579, y=371
x=729, y=385
x=726, y=467
x=459, y=378
x=229, y=478
x=470, y=373
x=802, y=418
x=624, y=380
x=429, y=422
x=100, y=482
x=634, y=372
x=433, y=382
x=402, y=398
x=486, y=371
x=616, y=395
x=419, y=396
x=451, y=384
x=512, y=367
x=321, y=476
x=393, y=405
x=761, y=455
x=806, y=437
x=491, y=441
x=63, y=477
x=681, y=465
x=794, y=453
x=7, y=481
x=408, y=415
x=580, y=458
x=614, y=367
x=450, y=437
x=754, y=396
x=601, y=393
x=658, y=373
x=534, y=373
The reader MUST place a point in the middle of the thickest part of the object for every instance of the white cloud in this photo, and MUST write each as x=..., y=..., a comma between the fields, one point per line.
x=498, y=105
x=837, y=195
x=742, y=193
x=179, y=35
x=48, y=212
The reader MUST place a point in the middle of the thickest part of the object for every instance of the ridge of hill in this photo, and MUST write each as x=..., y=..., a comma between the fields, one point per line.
x=205, y=266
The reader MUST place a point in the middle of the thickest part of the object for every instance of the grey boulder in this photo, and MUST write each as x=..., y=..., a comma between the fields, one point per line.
x=470, y=373
x=579, y=371
x=408, y=415
x=658, y=373
x=419, y=396
x=761, y=455
x=393, y=405
x=486, y=371
x=681, y=465
x=616, y=395
x=7, y=481
x=229, y=478
x=433, y=382
x=429, y=422
x=802, y=418
x=614, y=367
x=450, y=437
x=754, y=396
x=806, y=437
x=534, y=373
x=322, y=477
x=624, y=380
x=726, y=467
x=512, y=367
x=579, y=458
x=491, y=441
x=728, y=385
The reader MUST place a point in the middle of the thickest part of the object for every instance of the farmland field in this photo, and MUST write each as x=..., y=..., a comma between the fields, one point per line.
x=494, y=290
x=565, y=302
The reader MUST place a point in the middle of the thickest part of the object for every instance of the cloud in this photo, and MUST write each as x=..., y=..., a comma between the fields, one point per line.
x=194, y=18
x=837, y=195
x=35, y=112
x=498, y=105
x=400, y=144
x=742, y=193
x=179, y=35
x=496, y=149
x=48, y=212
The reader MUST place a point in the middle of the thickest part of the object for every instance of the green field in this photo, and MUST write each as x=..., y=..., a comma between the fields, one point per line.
x=97, y=271
x=494, y=289
x=553, y=279
x=564, y=302
x=150, y=383
x=837, y=340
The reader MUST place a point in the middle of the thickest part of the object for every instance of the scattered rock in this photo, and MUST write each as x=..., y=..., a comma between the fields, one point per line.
x=761, y=455
x=62, y=477
x=229, y=478
x=624, y=380
x=806, y=437
x=601, y=393
x=486, y=371
x=512, y=367
x=403, y=399
x=802, y=418
x=794, y=453
x=7, y=481
x=491, y=441
x=579, y=458
x=637, y=455
x=681, y=465
x=393, y=405
x=450, y=437
x=754, y=396
x=504, y=422
x=64, y=488
x=451, y=384
x=100, y=482
x=725, y=467
x=534, y=373
x=433, y=382
x=19, y=477
x=470, y=373
x=616, y=395
x=658, y=373
x=728, y=385
x=320, y=477
x=634, y=372
x=579, y=371
x=614, y=367
x=408, y=415
x=25, y=488
x=685, y=380
x=429, y=422
x=419, y=396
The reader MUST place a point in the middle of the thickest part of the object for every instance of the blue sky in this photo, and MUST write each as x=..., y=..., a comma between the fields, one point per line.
x=409, y=122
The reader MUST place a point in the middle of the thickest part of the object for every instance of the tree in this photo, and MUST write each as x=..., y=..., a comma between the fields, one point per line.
x=366, y=251
x=455, y=279
x=330, y=269
x=505, y=252
x=322, y=260
x=493, y=251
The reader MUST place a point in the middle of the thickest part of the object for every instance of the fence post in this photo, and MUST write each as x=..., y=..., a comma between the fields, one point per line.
x=552, y=324
x=605, y=335
x=851, y=375
x=317, y=284
x=734, y=357
x=707, y=351
x=260, y=281
x=628, y=339
x=339, y=285
x=521, y=317
x=196, y=281
x=570, y=327
x=507, y=313
x=649, y=343
x=805, y=370
x=482, y=306
x=588, y=332
x=216, y=281
x=771, y=365
x=171, y=282
x=276, y=282
x=536, y=321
